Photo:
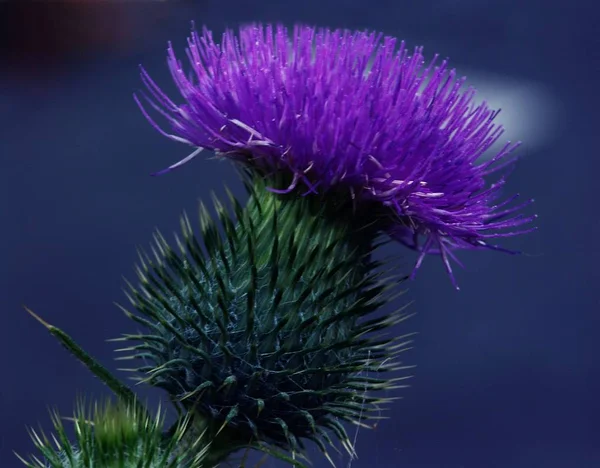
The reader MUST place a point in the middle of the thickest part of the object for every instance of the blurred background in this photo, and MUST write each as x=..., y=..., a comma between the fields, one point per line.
x=507, y=368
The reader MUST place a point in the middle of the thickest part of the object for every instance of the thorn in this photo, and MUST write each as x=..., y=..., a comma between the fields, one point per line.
x=116, y=340
x=38, y=318
x=329, y=459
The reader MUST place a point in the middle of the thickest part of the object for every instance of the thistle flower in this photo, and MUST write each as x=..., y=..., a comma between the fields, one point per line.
x=266, y=331
x=349, y=113
x=116, y=436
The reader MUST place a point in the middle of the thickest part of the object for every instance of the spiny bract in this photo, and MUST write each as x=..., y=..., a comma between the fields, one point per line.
x=266, y=332
x=116, y=436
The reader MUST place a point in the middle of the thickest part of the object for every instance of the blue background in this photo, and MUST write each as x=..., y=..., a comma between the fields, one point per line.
x=507, y=368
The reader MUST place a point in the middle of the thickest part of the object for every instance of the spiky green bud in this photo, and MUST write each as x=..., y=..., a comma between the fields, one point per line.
x=265, y=330
x=116, y=436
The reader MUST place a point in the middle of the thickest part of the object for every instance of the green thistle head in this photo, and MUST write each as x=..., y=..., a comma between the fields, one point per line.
x=266, y=330
x=116, y=436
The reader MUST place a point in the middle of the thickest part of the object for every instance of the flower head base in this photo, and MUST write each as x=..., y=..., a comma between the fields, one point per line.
x=350, y=112
x=271, y=334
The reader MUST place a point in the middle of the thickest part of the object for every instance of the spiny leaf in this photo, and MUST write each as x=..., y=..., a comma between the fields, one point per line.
x=120, y=390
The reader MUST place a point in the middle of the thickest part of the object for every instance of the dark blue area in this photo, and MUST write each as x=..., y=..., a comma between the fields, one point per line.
x=507, y=370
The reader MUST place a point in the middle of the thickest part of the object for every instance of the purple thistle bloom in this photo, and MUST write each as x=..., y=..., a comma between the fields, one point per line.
x=344, y=111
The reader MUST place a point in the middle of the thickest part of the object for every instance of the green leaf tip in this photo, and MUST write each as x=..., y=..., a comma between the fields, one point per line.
x=120, y=390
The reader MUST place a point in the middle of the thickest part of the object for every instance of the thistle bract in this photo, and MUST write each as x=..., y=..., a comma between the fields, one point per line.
x=351, y=113
x=116, y=436
x=265, y=330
